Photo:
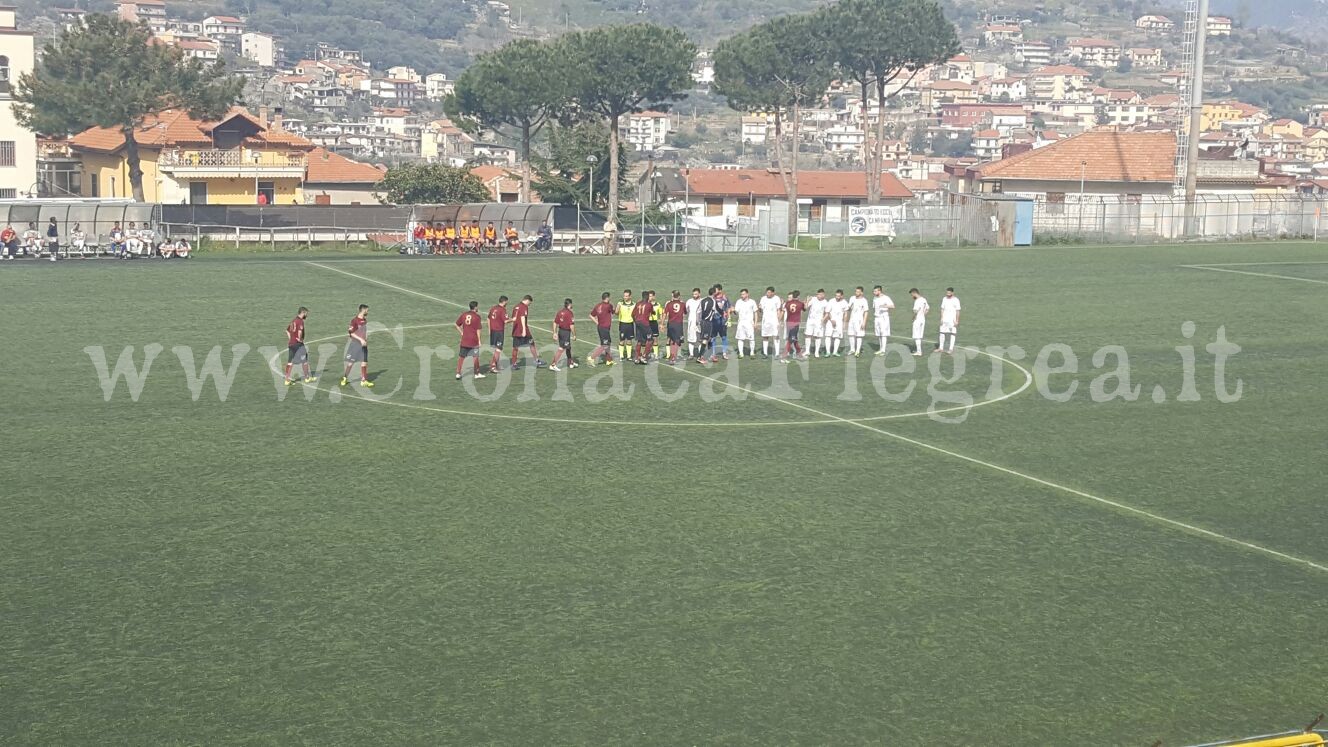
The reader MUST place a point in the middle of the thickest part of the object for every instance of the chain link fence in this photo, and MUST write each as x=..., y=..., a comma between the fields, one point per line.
x=971, y=220
x=1161, y=219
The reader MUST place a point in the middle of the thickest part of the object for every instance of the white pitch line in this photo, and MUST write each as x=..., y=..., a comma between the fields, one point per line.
x=1149, y=515
x=1257, y=264
x=385, y=284
x=1256, y=274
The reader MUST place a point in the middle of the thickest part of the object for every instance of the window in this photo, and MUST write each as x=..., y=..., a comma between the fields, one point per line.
x=746, y=209
x=198, y=193
x=6, y=152
x=95, y=184
x=1055, y=203
x=8, y=194
x=714, y=206
x=4, y=75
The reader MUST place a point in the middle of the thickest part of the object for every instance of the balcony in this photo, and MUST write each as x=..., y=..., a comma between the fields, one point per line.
x=232, y=164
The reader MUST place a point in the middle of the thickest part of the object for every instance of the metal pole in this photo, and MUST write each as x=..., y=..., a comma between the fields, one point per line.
x=1196, y=114
x=1083, y=173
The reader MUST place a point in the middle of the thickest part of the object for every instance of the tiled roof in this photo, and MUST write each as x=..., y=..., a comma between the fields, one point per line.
x=326, y=167
x=766, y=183
x=1098, y=156
x=174, y=127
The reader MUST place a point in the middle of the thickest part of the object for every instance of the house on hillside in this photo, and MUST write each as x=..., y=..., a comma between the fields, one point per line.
x=1146, y=57
x=1099, y=53
x=1155, y=24
x=1219, y=26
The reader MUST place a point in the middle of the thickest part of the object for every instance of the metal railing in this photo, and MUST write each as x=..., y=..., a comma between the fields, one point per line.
x=236, y=158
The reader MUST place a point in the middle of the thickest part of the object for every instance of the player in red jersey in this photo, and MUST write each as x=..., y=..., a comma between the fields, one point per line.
x=675, y=312
x=497, y=328
x=296, y=352
x=469, y=324
x=602, y=315
x=357, y=347
x=521, y=336
x=793, y=309
x=564, y=326
x=641, y=313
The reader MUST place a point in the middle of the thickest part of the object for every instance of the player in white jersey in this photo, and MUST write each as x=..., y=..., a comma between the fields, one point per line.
x=882, y=305
x=693, y=322
x=815, y=331
x=836, y=310
x=771, y=308
x=857, y=321
x=745, y=309
x=920, y=309
x=949, y=321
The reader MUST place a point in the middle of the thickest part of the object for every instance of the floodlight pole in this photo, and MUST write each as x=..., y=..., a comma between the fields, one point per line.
x=1196, y=116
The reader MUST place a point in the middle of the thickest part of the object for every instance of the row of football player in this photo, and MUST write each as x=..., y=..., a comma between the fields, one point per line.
x=702, y=323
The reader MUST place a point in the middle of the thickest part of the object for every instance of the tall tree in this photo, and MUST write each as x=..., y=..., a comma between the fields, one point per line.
x=517, y=87
x=620, y=70
x=566, y=175
x=880, y=42
x=431, y=184
x=110, y=73
x=777, y=67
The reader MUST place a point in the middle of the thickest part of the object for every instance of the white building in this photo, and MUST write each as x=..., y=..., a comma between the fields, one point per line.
x=1154, y=23
x=1008, y=89
x=226, y=31
x=1095, y=52
x=18, y=147
x=1033, y=54
x=845, y=140
x=755, y=129
x=401, y=72
x=259, y=48
x=437, y=87
x=1219, y=26
x=646, y=130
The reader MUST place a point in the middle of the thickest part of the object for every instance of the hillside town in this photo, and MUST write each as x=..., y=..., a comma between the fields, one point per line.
x=1025, y=110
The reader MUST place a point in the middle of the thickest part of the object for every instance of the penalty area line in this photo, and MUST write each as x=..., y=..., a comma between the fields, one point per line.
x=1187, y=528
x=1257, y=274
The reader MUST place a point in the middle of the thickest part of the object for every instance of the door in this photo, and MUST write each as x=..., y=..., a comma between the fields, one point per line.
x=267, y=193
x=198, y=193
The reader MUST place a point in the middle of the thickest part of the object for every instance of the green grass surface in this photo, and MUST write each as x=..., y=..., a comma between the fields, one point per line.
x=330, y=571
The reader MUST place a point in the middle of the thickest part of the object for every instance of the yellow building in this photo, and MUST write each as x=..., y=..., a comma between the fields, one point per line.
x=236, y=160
x=1316, y=145
x=1216, y=113
x=1284, y=128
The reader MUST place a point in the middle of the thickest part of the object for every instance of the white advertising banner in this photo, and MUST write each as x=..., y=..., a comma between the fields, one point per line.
x=873, y=221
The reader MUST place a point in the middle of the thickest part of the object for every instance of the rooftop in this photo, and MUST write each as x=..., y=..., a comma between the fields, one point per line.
x=769, y=183
x=1097, y=156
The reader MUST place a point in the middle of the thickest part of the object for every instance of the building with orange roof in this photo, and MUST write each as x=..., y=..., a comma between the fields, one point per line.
x=1219, y=114
x=730, y=194
x=1105, y=163
x=239, y=159
x=333, y=179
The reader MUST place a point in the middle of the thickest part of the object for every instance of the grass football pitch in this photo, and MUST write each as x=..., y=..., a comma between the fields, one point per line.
x=774, y=555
